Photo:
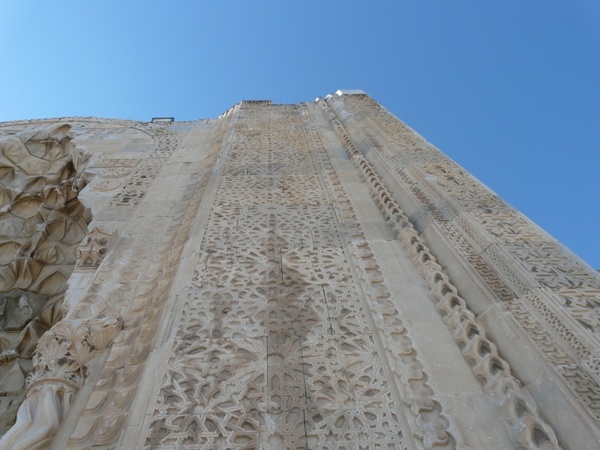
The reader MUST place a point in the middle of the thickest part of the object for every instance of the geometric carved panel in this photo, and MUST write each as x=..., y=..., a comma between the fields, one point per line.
x=273, y=350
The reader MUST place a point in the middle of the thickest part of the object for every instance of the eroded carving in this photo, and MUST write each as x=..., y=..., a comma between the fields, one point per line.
x=289, y=337
x=60, y=368
x=135, y=283
x=273, y=303
x=93, y=249
x=41, y=224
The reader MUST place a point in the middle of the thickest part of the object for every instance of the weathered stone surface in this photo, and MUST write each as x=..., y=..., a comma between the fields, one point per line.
x=284, y=276
x=41, y=225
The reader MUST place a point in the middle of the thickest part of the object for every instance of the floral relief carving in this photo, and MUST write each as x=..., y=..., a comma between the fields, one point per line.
x=272, y=282
x=60, y=368
x=135, y=282
x=248, y=306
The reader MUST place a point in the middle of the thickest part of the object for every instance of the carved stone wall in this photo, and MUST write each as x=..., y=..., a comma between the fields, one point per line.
x=551, y=295
x=42, y=223
x=284, y=276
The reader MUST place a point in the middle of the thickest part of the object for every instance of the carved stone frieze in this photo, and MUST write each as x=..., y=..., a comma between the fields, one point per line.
x=276, y=302
x=550, y=293
x=140, y=274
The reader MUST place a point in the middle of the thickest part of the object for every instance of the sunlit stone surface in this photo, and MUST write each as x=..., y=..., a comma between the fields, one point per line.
x=284, y=276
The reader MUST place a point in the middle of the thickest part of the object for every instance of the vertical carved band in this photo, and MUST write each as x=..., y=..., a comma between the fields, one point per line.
x=432, y=425
x=515, y=405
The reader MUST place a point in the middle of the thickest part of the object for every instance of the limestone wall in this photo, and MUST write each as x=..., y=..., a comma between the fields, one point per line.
x=534, y=298
x=289, y=276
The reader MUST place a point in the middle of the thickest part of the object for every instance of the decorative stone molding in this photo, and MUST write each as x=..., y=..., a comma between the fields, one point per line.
x=514, y=404
x=299, y=276
x=433, y=427
x=140, y=251
x=539, y=289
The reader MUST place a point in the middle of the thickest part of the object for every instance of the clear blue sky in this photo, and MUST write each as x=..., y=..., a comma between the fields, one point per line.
x=508, y=89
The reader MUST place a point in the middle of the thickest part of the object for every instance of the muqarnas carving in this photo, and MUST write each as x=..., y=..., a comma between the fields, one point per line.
x=41, y=226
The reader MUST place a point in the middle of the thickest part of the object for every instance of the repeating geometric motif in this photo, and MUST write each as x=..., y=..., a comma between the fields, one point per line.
x=525, y=426
x=432, y=426
x=273, y=350
x=147, y=257
x=346, y=384
x=554, y=288
x=256, y=311
x=143, y=175
x=536, y=252
x=292, y=226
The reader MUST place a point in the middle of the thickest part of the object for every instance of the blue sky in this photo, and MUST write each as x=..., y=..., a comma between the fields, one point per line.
x=509, y=90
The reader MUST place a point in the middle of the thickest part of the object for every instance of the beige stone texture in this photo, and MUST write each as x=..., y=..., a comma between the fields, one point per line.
x=284, y=276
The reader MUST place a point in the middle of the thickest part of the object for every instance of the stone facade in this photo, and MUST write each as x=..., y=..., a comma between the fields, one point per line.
x=285, y=276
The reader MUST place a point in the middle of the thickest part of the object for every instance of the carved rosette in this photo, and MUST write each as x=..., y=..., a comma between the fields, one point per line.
x=93, y=248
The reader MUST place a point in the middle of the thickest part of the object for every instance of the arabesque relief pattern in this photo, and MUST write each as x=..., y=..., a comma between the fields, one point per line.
x=135, y=283
x=272, y=349
x=432, y=425
x=93, y=248
x=126, y=295
x=255, y=281
x=42, y=223
x=62, y=364
x=542, y=285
